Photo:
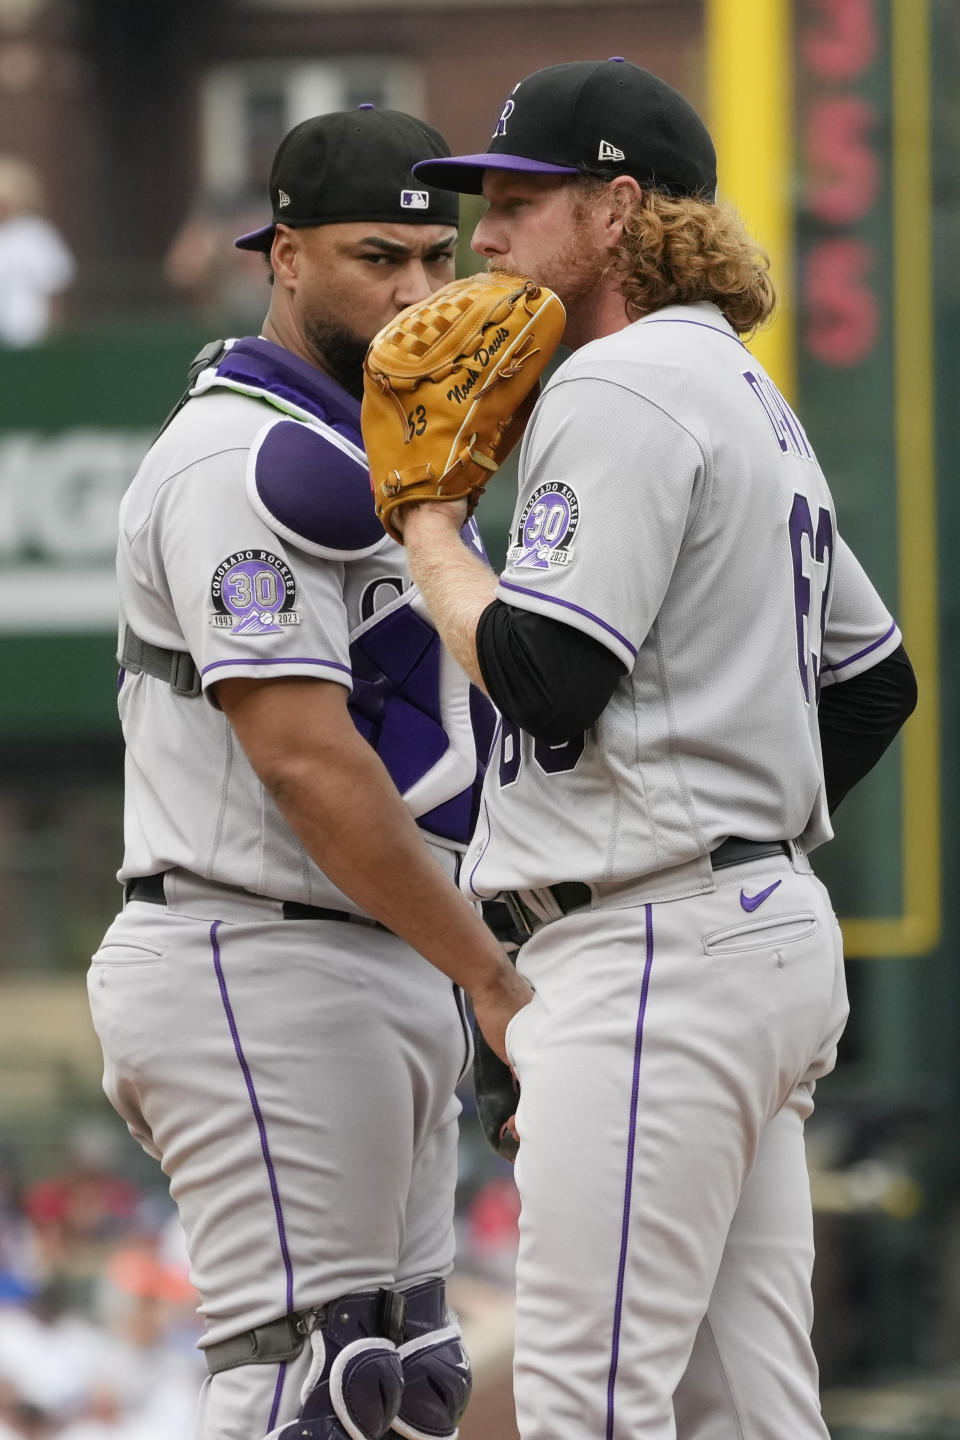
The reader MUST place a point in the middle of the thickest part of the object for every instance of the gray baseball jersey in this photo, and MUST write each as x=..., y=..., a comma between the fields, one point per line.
x=671, y=506
x=230, y=550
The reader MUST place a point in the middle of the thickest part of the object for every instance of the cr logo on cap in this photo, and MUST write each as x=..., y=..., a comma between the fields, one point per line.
x=505, y=114
x=414, y=199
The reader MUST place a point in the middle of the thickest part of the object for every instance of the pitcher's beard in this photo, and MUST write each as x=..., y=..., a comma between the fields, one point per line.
x=338, y=351
x=572, y=267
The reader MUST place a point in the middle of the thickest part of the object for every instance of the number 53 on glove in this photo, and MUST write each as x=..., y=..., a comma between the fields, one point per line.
x=449, y=386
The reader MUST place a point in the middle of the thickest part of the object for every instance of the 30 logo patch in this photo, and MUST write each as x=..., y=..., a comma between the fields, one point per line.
x=546, y=529
x=253, y=593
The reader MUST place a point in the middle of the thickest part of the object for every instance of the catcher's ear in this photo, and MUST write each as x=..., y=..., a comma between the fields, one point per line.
x=283, y=256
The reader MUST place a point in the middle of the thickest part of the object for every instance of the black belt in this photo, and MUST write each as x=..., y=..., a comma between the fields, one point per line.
x=150, y=889
x=572, y=895
x=735, y=851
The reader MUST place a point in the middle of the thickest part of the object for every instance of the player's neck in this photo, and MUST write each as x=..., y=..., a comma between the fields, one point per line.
x=281, y=330
x=602, y=312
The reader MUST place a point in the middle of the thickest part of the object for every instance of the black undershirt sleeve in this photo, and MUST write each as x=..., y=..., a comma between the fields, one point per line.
x=860, y=717
x=554, y=681
x=550, y=679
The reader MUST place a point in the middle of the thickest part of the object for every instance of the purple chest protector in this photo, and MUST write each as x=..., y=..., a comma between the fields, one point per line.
x=307, y=478
x=430, y=726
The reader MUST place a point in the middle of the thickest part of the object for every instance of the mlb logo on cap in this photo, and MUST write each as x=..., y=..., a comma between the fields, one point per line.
x=350, y=166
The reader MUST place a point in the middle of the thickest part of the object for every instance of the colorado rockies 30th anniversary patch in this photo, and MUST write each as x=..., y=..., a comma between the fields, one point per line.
x=253, y=593
x=546, y=528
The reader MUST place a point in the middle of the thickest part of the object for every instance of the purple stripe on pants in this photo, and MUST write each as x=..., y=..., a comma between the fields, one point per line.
x=264, y=1147
x=628, y=1186
x=278, y=1392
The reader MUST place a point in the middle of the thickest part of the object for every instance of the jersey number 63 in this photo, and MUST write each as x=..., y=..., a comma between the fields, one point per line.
x=812, y=551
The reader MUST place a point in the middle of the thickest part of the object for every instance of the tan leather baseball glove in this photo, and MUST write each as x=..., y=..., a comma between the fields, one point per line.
x=449, y=386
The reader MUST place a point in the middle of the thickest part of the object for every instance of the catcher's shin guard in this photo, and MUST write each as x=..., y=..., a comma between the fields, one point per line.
x=436, y=1367
x=353, y=1388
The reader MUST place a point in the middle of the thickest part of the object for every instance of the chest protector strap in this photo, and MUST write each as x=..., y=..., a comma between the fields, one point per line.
x=176, y=667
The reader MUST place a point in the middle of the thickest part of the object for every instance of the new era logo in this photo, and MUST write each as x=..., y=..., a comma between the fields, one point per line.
x=414, y=199
x=283, y=199
x=609, y=152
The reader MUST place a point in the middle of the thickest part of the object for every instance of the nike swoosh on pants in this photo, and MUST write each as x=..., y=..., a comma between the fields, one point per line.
x=752, y=902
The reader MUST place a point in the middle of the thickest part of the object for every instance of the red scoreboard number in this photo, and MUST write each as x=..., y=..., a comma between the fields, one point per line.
x=839, y=43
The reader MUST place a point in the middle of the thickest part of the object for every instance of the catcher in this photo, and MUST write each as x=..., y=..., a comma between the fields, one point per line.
x=274, y=1001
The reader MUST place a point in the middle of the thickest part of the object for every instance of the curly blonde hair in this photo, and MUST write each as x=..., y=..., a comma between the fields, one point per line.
x=677, y=250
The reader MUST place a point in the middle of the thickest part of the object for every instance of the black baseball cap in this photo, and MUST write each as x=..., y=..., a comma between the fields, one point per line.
x=355, y=165
x=592, y=117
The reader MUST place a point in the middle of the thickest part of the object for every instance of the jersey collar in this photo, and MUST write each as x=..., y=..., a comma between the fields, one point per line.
x=702, y=312
x=260, y=364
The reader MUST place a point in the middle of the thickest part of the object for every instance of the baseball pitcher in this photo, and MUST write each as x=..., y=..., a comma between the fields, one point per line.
x=692, y=668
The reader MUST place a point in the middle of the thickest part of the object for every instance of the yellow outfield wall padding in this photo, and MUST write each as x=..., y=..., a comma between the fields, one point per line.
x=750, y=87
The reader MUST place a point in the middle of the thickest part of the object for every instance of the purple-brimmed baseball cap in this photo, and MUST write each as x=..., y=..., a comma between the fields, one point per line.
x=597, y=118
x=354, y=165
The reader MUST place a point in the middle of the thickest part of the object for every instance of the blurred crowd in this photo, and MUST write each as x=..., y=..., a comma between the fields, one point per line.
x=207, y=278
x=97, y=1314
x=36, y=266
x=98, y=1323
